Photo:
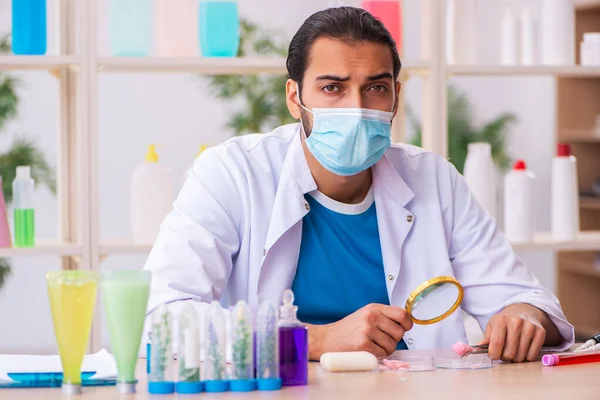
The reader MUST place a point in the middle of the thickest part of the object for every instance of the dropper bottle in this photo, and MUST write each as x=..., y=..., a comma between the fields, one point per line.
x=293, y=344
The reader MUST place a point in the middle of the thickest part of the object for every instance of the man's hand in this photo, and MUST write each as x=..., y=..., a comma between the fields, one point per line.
x=375, y=328
x=518, y=333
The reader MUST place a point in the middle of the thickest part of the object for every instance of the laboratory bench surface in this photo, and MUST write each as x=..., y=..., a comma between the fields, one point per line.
x=503, y=381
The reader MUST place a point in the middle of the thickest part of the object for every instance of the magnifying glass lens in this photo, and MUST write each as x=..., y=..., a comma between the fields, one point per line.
x=434, y=301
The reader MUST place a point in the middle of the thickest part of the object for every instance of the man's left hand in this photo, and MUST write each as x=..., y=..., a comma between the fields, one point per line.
x=518, y=333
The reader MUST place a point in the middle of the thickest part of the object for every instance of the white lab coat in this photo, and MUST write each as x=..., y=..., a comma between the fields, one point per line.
x=236, y=227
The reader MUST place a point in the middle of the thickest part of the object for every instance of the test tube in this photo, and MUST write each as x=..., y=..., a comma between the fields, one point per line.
x=188, y=352
x=267, y=348
x=160, y=380
x=243, y=366
x=215, y=346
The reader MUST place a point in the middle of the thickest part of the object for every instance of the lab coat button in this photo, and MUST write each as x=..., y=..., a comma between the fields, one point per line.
x=264, y=252
x=390, y=277
x=410, y=218
x=307, y=206
x=410, y=341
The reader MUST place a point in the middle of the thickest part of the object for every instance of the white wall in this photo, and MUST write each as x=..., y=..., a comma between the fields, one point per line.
x=179, y=113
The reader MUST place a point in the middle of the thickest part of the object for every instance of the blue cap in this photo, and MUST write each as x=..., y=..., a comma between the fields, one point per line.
x=162, y=387
x=269, y=384
x=189, y=387
x=243, y=385
x=216, y=386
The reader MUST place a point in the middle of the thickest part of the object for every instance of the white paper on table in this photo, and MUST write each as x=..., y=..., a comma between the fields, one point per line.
x=102, y=362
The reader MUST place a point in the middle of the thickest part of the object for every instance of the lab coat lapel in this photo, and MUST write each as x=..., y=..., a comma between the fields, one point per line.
x=394, y=220
x=280, y=257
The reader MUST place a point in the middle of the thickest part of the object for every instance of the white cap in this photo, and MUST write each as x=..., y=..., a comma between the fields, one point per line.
x=591, y=37
x=24, y=171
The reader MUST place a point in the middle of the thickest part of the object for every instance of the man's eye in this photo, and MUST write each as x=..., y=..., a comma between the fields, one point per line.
x=378, y=88
x=330, y=88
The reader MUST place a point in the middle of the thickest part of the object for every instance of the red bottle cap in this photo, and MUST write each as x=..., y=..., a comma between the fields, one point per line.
x=563, y=150
x=520, y=165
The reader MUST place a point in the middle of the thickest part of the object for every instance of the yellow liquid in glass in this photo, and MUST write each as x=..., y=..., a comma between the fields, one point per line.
x=72, y=301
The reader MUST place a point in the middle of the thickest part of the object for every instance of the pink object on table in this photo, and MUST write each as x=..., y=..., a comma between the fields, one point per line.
x=390, y=13
x=395, y=364
x=461, y=348
x=5, y=241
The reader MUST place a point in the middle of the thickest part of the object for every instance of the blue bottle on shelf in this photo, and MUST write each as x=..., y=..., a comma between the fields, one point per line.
x=219, y=28
x=130, y=27
x=29, y=27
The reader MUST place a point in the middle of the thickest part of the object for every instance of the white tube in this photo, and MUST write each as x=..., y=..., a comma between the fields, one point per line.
x=349, y=361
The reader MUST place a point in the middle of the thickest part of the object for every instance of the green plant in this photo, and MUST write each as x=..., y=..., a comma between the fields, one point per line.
x=461, y=131
x=262, y=97
x=23, y=151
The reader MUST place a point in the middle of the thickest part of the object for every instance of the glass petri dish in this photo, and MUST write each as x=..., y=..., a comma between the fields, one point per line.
x=475, y=361
x=400, y=363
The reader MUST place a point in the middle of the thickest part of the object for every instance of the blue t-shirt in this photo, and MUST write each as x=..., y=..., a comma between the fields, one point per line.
x=340, y=267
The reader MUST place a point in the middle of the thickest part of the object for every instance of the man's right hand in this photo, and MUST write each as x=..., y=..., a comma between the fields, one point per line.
x=375, y=328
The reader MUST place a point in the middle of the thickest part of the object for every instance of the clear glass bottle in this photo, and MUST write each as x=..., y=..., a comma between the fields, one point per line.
x=293, y=344
x=24, y=216
x=215, y=379
x=242, y=341
x=267, y=348
x=188, y=354
x=160, y=380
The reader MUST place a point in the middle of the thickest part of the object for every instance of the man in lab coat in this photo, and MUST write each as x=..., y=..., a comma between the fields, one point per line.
x=329, y=208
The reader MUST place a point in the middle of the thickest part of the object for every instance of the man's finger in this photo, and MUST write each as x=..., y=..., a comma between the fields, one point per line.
x=497, y=338
x=384, y=341
x=399, y=315
x=513, y=337
x=391, y=328
x=527, y=334
x=536, y=344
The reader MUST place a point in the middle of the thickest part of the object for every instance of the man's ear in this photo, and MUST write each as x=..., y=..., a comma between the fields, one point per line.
x=291, y=98
x=398, y=88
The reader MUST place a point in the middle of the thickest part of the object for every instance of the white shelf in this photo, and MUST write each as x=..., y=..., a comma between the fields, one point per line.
x=42, y=248
x=587, y=241
x=124, y=246
x=209, y=66
x=36, y=62
x=500, y=70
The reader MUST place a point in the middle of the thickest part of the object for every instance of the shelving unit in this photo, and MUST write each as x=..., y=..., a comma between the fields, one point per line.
x=78, y=69
x=577, y=105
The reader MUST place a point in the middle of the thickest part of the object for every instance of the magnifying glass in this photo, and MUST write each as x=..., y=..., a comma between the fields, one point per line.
x=434, y=300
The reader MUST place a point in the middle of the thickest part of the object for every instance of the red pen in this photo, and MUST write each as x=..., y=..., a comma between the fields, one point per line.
x=550, y=360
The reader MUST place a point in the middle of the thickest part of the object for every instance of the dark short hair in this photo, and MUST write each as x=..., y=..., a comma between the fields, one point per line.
x=349, y=24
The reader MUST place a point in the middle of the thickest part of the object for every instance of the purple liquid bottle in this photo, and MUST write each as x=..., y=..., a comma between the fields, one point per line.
x=293, y=344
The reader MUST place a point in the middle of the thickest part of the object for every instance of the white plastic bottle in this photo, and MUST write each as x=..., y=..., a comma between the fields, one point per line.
x=151, y=198
x=480, y=174
x=558, y=32
x=461, y=32
x=518, y=203
x=565, y=195
x=528, y=37
x=509, y=42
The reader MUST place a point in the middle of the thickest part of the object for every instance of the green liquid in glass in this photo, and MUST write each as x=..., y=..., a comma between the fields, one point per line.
x=24, y=228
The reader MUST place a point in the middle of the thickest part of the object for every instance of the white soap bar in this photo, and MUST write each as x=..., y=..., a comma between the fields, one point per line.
x=349, y=361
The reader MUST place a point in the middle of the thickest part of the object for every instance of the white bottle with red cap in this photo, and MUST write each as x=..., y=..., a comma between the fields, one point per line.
x=518, y=203
x=565, y=195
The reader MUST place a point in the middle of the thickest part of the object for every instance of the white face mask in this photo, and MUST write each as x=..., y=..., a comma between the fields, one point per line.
x=347, y=141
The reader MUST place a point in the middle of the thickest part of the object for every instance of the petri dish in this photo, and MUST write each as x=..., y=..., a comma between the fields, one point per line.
x=475, y=361
x=400, y=363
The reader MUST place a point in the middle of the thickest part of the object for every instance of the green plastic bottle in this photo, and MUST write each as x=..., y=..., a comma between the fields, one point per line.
x=24, y=216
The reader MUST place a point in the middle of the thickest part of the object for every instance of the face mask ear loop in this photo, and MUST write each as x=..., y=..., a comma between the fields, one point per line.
x=301, y=105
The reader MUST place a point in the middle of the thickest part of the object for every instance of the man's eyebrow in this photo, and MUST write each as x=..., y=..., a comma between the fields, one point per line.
x=380, y=76
x=333, y=78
